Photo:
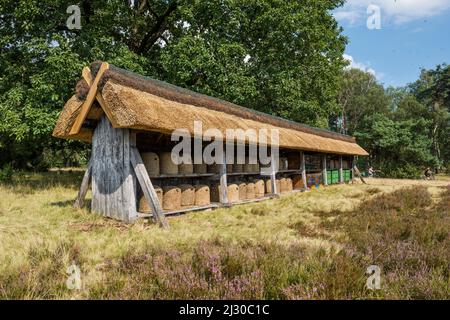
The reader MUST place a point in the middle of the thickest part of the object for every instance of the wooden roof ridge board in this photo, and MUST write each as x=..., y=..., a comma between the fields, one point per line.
x=175, y=93
x=87, y=76
x=91, y=96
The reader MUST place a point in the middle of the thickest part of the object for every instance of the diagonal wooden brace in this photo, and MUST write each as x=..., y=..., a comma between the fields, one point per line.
x=92, y=94
x=147, y=187
x=79, y=202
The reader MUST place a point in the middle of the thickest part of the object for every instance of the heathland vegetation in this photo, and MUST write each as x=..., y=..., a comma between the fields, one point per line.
x=314, y=245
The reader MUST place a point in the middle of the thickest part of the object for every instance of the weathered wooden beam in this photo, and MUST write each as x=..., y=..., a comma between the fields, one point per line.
x=273, y=173
x=113, y=181
x=79, y=202
x=223, y=181
x=324, y=170
x=147, y=187
x=353, y=170
x=86, y=73
x=341, y=170
x=303, y=169
x=183, y=210
x=89, y=100
x=358, y=173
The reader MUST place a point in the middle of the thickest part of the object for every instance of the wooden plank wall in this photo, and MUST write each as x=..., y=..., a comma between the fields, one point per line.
x=113, y=180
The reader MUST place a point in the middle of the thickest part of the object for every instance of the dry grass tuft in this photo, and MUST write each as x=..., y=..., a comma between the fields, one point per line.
x=372, y=191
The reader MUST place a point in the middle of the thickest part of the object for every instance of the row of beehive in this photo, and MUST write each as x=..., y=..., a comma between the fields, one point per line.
x=162, y=164
x=335, y=164
x=173, y=198
x=333, y=176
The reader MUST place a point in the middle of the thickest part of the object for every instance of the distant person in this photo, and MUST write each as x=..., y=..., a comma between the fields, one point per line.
x=371, y=171
x=428, y=173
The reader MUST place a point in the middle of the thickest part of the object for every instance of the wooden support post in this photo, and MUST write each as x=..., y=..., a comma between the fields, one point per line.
x=223, y=181
x=79, y=202
x=324, y=170
x=273, y=173
x=303, y=169
x=353, y=170
x=113, y=181
x=341, y=170
x=146, y=185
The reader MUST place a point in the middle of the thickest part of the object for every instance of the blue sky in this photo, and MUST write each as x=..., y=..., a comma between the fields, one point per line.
x=414, y=34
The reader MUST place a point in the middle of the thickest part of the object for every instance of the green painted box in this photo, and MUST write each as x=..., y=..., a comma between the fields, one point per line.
x=347, y=175
x=335, y=176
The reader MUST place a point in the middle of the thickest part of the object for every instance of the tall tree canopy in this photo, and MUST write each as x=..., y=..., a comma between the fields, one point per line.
x=403, y=129
x=360, y=95
x=281, y=57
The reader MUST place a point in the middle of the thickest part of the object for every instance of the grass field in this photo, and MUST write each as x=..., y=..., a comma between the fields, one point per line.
x=313, y=245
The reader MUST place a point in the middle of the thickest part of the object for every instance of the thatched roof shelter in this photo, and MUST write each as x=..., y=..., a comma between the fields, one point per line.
x=122, y=114
x=141, y=103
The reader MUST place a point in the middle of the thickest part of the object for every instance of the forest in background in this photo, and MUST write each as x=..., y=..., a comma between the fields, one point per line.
x=283, y=58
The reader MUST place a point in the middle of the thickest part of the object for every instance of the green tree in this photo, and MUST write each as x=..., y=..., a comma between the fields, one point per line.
x=432, y=90
x=399, y=148
x=361, y=95
x=393, y=124
x=281, y=57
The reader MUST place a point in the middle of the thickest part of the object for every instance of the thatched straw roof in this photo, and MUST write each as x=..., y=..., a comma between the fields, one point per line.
x=136, y=102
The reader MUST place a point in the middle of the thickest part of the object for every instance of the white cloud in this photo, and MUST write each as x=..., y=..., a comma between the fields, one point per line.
x=397, y=11
x=361, y=66
x=351, y=16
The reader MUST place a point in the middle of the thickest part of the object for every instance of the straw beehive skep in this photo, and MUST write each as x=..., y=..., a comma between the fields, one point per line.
x=250, y=191
x=151, y=163
x=171, y=198
x=269, y=185
x=185, y=168
x=283, y=185
x=144, y=206
x=259, y=188
x=201, y=168
x=202, y=195
x=187, y=195
x=238, y=168
x=289, y=185
x=255, y=168
x=248, y=168
x=242, y=190
x=233, y=193
x=214, y=168
x=166, y=164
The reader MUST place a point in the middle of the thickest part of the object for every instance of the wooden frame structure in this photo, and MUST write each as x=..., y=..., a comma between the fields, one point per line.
x=116, y=170
x=114, y=181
